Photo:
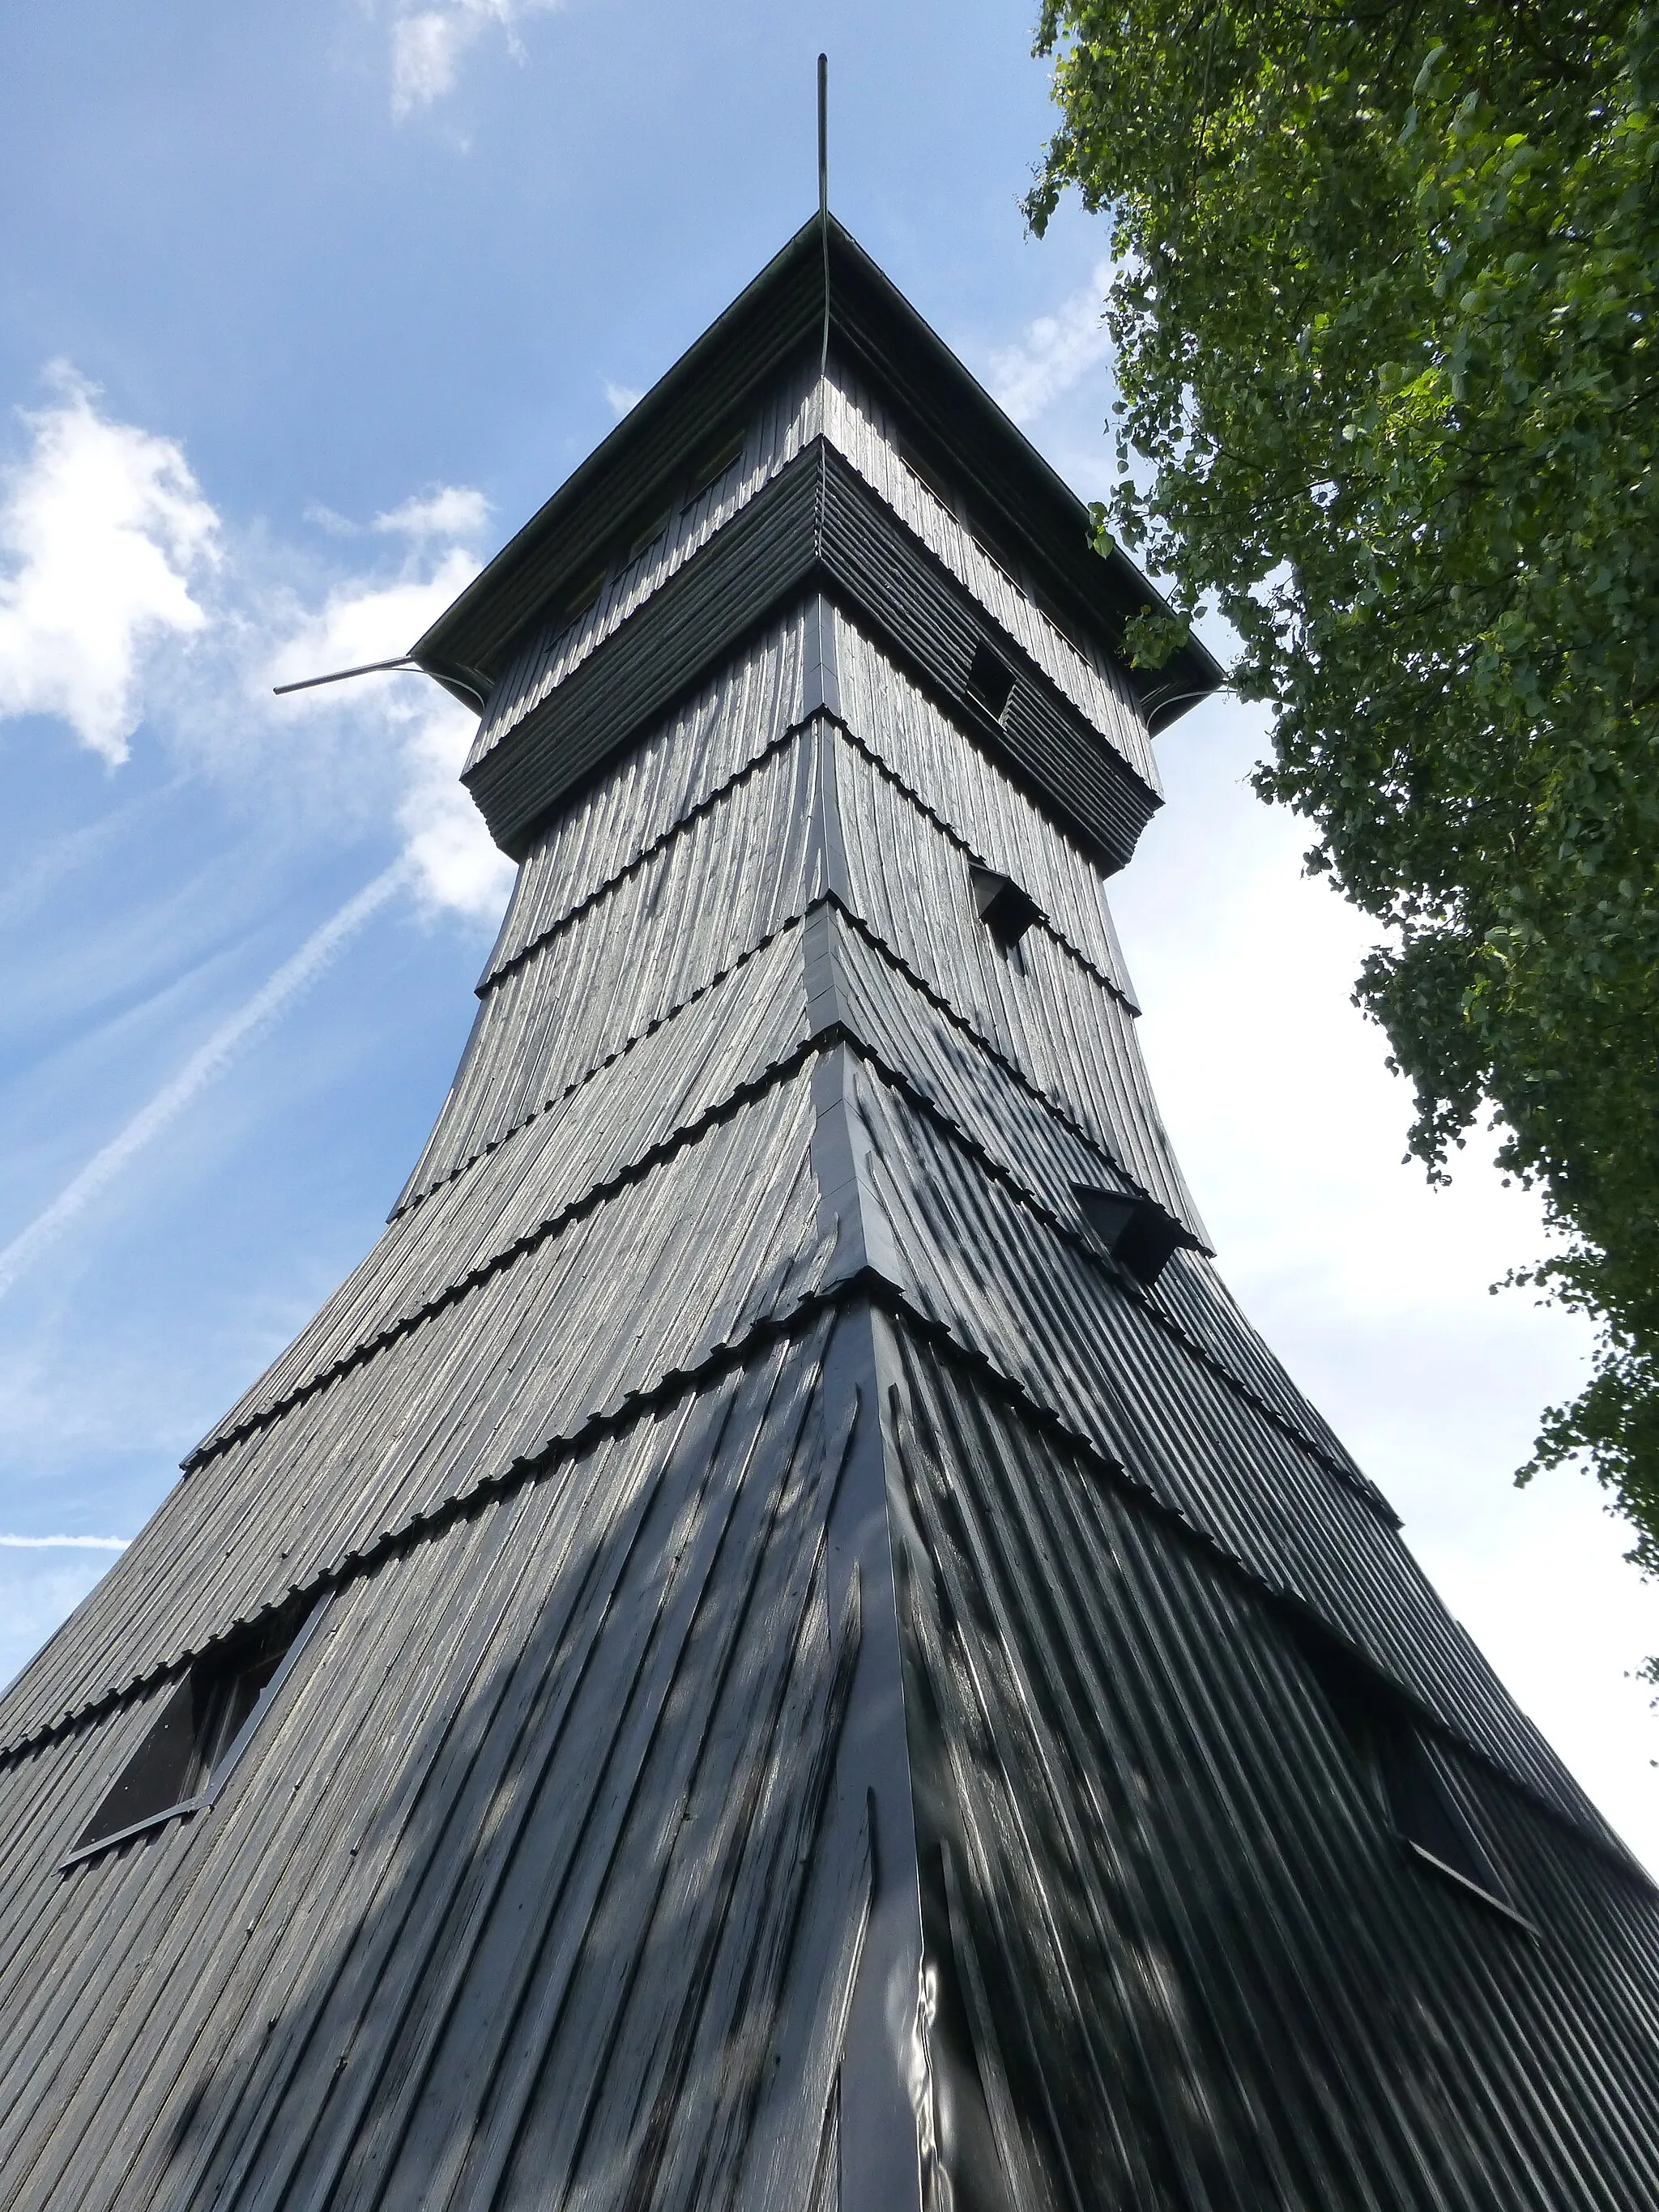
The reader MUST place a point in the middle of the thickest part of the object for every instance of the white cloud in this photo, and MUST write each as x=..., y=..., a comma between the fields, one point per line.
x=102, y=528
x=108, y=528
x=1056, y=352
x=361, y=618
x=458, y=866
x=425, y=49
x=453, y=511
x=427, y=45
x=620, y=398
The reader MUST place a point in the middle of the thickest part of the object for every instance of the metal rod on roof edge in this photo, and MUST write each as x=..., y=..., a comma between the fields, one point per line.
x=1155, y=704
x=824, y=198
x=339, y=674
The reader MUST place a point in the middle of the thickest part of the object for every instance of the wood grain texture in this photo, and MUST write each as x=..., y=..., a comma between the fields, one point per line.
x=814, y=1705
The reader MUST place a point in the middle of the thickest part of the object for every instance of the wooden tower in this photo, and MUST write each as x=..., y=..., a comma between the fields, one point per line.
x=781, y=1643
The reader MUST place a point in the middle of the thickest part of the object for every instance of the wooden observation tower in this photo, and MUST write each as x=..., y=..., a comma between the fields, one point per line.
x=781, y=1644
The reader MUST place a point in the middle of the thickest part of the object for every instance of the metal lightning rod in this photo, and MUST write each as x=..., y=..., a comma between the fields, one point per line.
x=377, y=667
x=824, y=198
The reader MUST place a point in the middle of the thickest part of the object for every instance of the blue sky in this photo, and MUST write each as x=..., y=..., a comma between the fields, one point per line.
x=303, y=312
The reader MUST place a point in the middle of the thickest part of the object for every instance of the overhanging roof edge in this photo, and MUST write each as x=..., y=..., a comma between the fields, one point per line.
x=437, y=643
x=1193, y=671
x=773, y=317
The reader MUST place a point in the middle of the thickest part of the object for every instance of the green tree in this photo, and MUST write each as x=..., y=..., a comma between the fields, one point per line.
x=1385, y=313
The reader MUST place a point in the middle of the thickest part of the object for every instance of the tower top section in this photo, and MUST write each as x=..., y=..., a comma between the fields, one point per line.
x=818, y=386
x=960, y=435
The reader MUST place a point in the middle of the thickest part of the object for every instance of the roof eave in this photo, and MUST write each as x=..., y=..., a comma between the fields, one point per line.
x=772, y=319
x=448, y=638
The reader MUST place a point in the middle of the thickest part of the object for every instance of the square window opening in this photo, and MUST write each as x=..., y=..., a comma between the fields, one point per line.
x=584, y=597
x=199, y=1736
x=1402, y=1774
x=932, y=480
x=711, y=466
x=642, y=536
x=1136, y=1231
x=1001, y=905
x=990, y=682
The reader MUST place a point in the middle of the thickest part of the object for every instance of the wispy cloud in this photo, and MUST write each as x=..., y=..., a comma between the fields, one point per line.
x=428, y=45
x=453, y=511
x=620, y=398
x=1056, y=352
x=272, y=999
x=326, y=519
x=64, y=1543
x=102, y=530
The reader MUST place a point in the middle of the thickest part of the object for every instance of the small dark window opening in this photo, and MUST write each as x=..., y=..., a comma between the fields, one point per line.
x=711, y=466
x=990, y=682
x=1057, y=621
x=584, y=596
x=645, y=534
x=931, y=479
x=199, y=1736
x=1136, y=1231
x=1402, y=1776
x=1001, y=905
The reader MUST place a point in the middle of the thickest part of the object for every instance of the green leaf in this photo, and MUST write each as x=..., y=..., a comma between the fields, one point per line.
x=1385, y=305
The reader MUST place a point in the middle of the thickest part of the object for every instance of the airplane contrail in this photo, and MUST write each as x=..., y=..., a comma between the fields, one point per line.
x=272, y=999
x=64, y=1543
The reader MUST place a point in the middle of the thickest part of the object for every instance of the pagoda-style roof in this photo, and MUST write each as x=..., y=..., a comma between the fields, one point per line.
x=953, y=426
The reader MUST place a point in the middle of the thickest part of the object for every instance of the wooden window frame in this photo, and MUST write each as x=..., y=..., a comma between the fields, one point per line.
x=227, y=1759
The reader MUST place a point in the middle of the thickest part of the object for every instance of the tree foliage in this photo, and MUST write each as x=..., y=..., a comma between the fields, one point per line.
x=1385, y=303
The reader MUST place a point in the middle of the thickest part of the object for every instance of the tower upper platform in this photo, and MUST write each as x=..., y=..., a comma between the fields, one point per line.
x=865, y=462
